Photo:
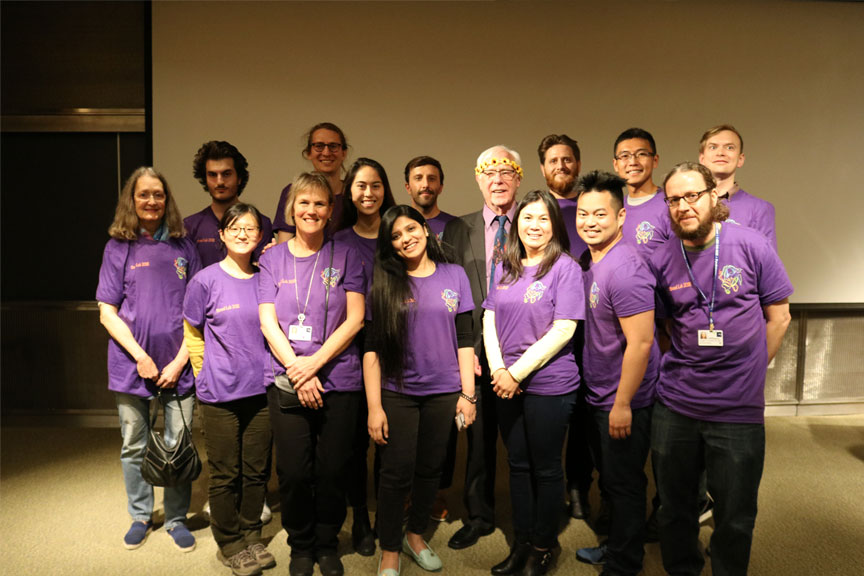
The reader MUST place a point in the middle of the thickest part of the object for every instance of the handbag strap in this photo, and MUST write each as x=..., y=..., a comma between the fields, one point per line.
x=155, y=413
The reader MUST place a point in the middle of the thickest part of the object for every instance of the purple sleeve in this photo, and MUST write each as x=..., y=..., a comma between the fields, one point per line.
x=774, y=284
x=112, y=273
x=266, y=237
x=195, y=303
x=766, y=224
x=632, y=291
x=193, y=257
x=266, y=285
x=279, y=224
x=466, y=300
x=569, y=297
x=355, y=276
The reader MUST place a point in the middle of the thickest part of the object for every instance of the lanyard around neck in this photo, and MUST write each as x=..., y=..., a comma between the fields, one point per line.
x=301, y=315
x=713, y=277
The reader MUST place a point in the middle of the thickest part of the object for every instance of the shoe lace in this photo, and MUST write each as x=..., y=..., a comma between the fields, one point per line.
x=242, y=558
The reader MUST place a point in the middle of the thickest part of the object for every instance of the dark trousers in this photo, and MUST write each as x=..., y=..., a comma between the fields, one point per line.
x=238, y=440
x=534, y=428
x=482, y=458
x=583, y=447
x=313, y=448
x=623, y=473
x=411, y=461
x=358, y=468
x=734, y=455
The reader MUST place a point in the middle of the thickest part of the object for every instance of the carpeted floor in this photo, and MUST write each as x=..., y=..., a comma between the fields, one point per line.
x=63, y=511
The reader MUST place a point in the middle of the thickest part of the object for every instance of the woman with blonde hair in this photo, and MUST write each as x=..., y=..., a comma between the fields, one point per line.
x=145, y=269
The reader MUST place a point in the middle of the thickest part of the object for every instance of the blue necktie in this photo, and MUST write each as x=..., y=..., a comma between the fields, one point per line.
x=498, y=246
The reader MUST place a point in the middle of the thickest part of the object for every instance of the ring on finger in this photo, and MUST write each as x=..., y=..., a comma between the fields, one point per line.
x=505, y=396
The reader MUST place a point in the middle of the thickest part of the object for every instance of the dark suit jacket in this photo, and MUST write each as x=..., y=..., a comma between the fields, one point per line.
x=466, y=243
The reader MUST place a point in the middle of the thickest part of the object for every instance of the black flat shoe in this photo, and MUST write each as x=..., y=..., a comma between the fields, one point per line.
x=515, y=562
x=362, y=537
x=301, y=566
x=468, y=535
x=538, y=562
x=331, y=565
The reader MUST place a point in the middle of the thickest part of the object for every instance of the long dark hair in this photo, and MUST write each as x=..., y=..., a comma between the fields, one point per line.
x=349, y=211
x=391, y=292
x=515, y=252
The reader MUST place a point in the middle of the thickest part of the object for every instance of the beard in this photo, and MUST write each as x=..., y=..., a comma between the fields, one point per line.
x=561, y=183
x=719, y=213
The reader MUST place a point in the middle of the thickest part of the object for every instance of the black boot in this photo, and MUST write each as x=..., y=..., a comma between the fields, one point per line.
x=538, y=562
x=362, y=536
x=515, y=562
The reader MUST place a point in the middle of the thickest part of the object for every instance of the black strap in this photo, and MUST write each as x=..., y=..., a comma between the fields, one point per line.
x=155, y=413
x=327, y=291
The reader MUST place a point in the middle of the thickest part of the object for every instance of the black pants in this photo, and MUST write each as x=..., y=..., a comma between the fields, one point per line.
x=411, y=461
x=313, y=448
x=238, y=440
x=624, y=479
x=583, y=448
x=482, y=458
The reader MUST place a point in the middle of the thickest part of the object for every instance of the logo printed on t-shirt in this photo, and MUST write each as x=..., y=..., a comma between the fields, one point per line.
x=180, y=264
x=451, y=299
x=594, y=298
x=644, y=232
x=330, y=275
x=730, y=278
x=534, y=292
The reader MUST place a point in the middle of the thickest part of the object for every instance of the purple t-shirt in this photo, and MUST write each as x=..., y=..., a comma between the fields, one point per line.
x=568, y=212
x=279, y=223
x=225, y=309
x=647, y=224
x=524, y=313
x=203, y=229
x=431, y=361
x=146, y=280
x=618, y=286
x=437, y=224
x=748, y=210
x=276, y=285
x=719, y=384
x=365, y=247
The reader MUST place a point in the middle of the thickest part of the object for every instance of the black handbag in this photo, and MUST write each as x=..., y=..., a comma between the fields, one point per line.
x=287, y=394
x=165, y=465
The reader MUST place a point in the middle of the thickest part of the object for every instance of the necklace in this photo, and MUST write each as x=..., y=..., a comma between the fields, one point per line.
x=301, y=314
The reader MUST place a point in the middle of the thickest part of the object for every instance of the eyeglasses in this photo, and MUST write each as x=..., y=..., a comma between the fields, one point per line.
x=640, y=155
x=331, y=146
x=248, y=230
x=690, y=198
x=506, y=175
x=145, y=196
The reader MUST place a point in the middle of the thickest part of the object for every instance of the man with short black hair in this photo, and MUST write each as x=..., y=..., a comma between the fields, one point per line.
x=223, y=172
x=424, y=181
x=620, y=366
x=725, y=294
x=721, y=150
x=634, y=159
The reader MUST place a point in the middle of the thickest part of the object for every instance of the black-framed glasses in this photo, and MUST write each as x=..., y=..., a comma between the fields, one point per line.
x=332, y=146
x=639, y=155
x=690, y=198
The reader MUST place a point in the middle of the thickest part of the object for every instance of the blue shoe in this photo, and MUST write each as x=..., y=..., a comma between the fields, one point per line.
x=137, y=535
x=389, y=571
x=427, y=559
x=595, y=556
x=183, y=539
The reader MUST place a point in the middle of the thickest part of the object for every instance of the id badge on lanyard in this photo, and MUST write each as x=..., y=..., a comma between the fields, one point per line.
x=710, y=337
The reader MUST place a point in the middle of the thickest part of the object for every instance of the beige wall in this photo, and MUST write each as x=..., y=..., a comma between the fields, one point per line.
x=452, y=78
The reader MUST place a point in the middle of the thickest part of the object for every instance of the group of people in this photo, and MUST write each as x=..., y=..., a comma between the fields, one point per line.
x=616, y=316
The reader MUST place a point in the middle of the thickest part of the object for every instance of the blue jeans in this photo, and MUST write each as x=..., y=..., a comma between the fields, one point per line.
x=134, y=428
x=623, y=472
x=533, y=429
x=734, y=455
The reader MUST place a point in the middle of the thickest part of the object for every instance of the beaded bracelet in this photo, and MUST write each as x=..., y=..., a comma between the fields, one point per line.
x=471, y=399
